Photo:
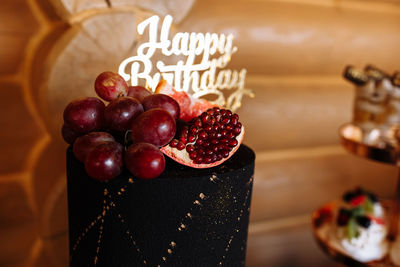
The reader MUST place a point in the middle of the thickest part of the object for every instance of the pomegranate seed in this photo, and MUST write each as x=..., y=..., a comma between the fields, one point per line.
x=205, y=117
x=211, y=121
x=199, y=142
x=183, y=139
x=235, y=116
x=198, y=123
x=210, y=111
x=207, y=160
x=234, y=121
x=230, y=135
x=193, y=129
x=203, y=135
x=224, y=141
x=225, y=120
x=206, y=144
x=209, y=152
x=200, y=152
x=223, y=112
x=233, y=142
x=221, y=147
x=214, y=158
x=218, y=135
x=216, y=109
x=219, y=157
x=191, y=138
x=214, y=141
x=180, y=146
x=173, y=143
x=211, y=135
x=229, y=128
x=239, y=124
x=224, y=133
x=216, y=126
x=237, y=131
x=207, y=128
x=198, y=160
x=193, y=155
x=215, y=149
x=190, y=148
x=225, y=153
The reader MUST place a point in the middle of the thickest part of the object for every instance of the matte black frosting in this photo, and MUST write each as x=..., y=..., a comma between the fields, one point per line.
x=186, y=217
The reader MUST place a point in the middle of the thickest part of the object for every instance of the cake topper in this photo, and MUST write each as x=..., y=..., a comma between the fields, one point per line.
x=202, y=74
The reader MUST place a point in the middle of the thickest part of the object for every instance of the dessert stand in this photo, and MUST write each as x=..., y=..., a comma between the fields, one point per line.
x=351, y=138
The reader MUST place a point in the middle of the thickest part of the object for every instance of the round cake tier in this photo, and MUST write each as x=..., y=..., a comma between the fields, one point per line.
x=186, y=217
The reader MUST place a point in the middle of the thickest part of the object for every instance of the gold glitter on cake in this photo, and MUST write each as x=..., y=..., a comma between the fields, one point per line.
x=248, y=184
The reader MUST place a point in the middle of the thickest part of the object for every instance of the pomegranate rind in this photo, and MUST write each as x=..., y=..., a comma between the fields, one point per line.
x=182, y=157
x=190, y=107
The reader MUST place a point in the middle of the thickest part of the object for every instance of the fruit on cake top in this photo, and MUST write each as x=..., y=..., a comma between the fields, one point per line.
x=136, y=128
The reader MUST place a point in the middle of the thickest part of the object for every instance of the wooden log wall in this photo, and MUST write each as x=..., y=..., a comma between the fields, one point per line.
x=294, y=50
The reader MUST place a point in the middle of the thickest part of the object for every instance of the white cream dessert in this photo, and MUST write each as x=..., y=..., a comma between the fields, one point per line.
x=360, y=228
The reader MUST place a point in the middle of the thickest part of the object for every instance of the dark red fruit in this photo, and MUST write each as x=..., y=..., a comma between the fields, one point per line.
x=162, y=101
x=343, y=217
x=155, y=126
x=364, y=221
x=121, y=112
x=144, y=160
x=138, y=92
x=110, y=86
x=68, y=134
x=85, y=143
x=207, y=140
x=84, y=115
x=104, y=162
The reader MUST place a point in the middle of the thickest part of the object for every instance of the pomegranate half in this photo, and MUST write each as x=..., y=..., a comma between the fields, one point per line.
x=207, y=140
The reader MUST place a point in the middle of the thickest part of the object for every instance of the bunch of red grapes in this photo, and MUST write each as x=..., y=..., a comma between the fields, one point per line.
x=102, y=135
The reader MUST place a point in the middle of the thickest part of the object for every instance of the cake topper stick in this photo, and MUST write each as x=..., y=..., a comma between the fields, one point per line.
x=202, y=73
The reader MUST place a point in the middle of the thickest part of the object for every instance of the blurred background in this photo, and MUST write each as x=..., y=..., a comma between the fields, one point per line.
x=294, y=51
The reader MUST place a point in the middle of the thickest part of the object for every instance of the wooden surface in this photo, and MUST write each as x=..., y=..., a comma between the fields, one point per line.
x=294, y=51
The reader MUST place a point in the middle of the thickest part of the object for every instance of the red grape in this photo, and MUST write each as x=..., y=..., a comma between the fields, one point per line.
x=162, y=101
x=68, y=134
x=110, y=86
x=104, y=162
x=120, y=113
x=144, y=160
x=84, y=115
x=155, y=126
x=138, y=92
x=85, y=143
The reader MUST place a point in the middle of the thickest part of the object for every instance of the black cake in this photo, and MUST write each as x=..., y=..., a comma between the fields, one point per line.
x=186, y=217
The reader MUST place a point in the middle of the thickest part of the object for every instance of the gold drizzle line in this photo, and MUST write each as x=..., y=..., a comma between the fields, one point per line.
x=92, y=224
x=228, y=246
x=185, y=221
x=130, y=236
x=100, y=217
x=96, y=258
